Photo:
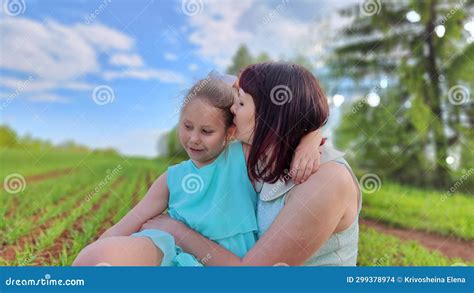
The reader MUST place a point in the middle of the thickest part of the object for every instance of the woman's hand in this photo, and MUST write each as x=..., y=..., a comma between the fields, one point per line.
x=307, y=158
x=164, y=223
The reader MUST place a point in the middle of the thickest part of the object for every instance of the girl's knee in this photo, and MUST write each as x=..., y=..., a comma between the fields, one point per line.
x=123, y=250
x=97, y=251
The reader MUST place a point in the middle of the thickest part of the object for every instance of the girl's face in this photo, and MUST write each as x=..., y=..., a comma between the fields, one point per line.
x=202, y=131
x=244, y=117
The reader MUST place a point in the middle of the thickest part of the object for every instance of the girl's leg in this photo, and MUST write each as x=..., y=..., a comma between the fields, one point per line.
x=120, y=251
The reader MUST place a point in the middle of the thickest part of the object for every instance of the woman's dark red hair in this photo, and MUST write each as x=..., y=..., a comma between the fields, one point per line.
x=289, y=103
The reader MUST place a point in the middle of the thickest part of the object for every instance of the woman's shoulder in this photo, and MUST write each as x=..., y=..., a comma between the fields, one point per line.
x=332, y=178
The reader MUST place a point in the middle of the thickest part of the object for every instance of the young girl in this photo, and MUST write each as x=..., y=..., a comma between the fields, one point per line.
x=210, y=192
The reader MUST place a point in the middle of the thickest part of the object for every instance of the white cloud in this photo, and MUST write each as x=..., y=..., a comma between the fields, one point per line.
x=215, y=32
x=104, y=38
x=131, y=60
x=171, y=56
x=47, y=97
x=166, y=76
x=32, y=85
x=48, y=51
x=56, y=56
x=193, y=67
x=280, y=28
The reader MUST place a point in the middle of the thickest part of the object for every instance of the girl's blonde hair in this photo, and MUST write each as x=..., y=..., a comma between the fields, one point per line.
x=216, y=93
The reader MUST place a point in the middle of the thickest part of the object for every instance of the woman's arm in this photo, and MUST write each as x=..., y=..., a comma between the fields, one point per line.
x=308, y=219
x=306, y=160
x=154, y=203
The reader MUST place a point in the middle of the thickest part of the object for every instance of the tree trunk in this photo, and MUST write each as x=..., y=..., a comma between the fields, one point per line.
x=433, y=100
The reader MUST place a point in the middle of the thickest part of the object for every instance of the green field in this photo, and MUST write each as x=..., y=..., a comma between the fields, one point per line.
x=47, y=220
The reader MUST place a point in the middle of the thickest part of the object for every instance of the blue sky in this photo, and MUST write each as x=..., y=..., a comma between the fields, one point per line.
x=112, y=73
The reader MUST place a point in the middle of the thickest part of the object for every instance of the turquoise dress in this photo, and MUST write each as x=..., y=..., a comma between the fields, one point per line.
x=216, y=200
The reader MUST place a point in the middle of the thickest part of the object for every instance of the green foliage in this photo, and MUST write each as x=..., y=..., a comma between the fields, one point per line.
x=395, y=154
x=423, y=68
x=8, y=137
x=241, y=59
x=174, y=146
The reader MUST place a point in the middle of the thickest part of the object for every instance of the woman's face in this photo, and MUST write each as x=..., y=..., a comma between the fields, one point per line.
x=244, y=117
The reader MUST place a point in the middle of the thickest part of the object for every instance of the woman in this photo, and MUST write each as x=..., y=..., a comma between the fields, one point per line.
x=313, y=223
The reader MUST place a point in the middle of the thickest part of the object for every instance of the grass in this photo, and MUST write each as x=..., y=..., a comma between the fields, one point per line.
x=432, y=211
x=378, y=249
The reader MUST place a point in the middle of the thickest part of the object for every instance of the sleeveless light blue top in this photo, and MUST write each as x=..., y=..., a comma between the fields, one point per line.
x=217, y=200
x=341, y=248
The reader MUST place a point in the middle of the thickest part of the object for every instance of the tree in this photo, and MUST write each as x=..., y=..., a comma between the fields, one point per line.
x=8, y=137
x=241, y=59
x=422, y=48
x=174, y=146
x=263, y=57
